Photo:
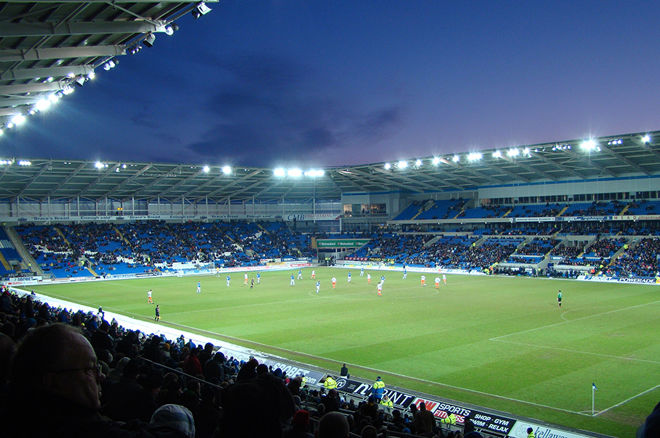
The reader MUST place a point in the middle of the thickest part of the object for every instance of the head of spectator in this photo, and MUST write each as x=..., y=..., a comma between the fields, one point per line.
x=369, y=432
x=173, y=417
x=59, y=362
x=333, y=425
x=300, y=420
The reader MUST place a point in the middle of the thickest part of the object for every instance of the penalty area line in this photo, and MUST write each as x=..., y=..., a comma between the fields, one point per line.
x=569, y=350
x=566, y=321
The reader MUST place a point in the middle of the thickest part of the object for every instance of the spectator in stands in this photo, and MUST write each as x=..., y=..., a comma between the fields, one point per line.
x=333, y=425
x=299, y=426
x=173, y=417
x=55, y=389
x=424, y=421
x=651, y=427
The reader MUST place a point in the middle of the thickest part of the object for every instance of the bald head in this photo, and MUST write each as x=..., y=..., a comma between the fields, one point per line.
x=59, y=360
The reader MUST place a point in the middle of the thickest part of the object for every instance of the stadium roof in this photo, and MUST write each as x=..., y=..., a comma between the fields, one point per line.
x=629, y=155
x=48, y=47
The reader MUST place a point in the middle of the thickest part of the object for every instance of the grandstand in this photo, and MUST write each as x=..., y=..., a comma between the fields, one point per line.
x=77, y=221
x=496, y=221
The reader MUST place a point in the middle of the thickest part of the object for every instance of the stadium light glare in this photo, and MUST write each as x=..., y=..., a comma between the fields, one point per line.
x=5, y=162
x=314, y=173
x=294, y=172
x=99, y=165
x=50, y=79
x=18, y=120
x=42, y=104
x=435, y=161
x=206, y=169
x=387, y=166
x=589, y=145
x=474, y=156
x=91, y=75
x=24, y=163
x=646, y=139
x=68, y=90
x=2, y=132
x=226, y=170
x=456, y=158
x=402, y=164
x=418, y=163
x=513, y=152
x=526, y=152
x=279, y=172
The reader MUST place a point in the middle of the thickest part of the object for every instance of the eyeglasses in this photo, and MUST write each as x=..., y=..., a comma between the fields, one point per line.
x=90, y=370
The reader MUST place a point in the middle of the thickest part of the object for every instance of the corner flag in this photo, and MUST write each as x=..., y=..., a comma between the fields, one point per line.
x=594, y=387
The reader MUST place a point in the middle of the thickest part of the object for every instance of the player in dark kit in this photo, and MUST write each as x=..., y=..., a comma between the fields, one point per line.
x=559, y=297
x=157, y=317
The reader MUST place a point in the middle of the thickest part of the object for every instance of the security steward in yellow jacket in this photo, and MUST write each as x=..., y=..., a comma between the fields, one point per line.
x=330, y=383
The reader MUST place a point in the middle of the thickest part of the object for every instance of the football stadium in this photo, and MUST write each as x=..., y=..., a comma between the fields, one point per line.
x=502, y=293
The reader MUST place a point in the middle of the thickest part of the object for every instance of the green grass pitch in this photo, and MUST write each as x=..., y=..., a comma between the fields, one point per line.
x=493, y=341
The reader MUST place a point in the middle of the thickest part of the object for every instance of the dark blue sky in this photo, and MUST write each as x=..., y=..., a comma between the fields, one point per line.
x=307, y=82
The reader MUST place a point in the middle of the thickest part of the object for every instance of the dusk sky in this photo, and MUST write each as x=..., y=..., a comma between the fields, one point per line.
x=324, y=83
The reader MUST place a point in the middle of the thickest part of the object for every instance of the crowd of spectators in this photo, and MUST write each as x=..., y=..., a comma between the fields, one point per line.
x=76, y=375
x=639, y=261
x=143, y=246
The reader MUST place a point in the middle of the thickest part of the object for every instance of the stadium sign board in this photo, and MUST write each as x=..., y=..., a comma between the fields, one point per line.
x=495, y=424
x=340, y=243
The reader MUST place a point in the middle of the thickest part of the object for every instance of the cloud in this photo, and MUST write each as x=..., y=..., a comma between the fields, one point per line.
x=271, y=111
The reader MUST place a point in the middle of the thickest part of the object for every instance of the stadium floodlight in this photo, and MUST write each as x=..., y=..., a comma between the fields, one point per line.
x=53, y=98
x=68, y=90
x=5, y=162
x=474, y=156
x=497, y=154
x=99, y=165
x=456, y=158
x=2, y=132
x=226, y=170
x=149, y=39
x=206, y=169
x=91, y=75
x=171, y=28
x=526, y=152
x=294, y=172
x=646, y=139
x=435, y=161
x=24, y=163
x=18, y=119
x=49, y=79
x=279, y=172
x=418, y=163
x=589, y=145
x=71, y=75
x=513, y=152
x=402, y=164
x=314, y=173
x=200, y=9
x=387, y=166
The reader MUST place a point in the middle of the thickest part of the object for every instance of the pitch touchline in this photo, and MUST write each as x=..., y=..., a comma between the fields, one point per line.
x=628, y=399
x=377, y=370
x=611, y=356
x=573, y=320
x=366, y=368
